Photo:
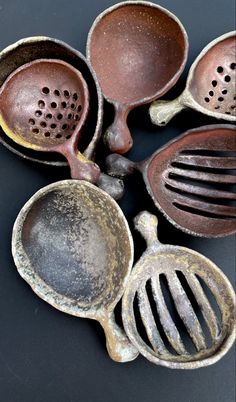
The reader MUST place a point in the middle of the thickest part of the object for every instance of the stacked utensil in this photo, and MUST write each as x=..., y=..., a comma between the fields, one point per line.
x=71, y=242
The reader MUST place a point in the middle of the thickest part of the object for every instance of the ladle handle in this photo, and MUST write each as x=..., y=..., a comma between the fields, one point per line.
x=119, y=348
x=117, y=137
x=146, y=224
x=81, y=168
x=119, y=166
x=162, y=111
x=111, y=185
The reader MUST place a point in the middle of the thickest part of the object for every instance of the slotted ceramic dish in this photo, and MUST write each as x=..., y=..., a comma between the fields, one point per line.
x=191, y=180
x=190, y=278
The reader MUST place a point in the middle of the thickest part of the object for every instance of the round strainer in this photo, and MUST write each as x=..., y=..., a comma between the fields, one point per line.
x=43, y=106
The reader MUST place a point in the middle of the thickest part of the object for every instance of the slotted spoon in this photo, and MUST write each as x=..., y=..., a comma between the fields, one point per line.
x=191, y=179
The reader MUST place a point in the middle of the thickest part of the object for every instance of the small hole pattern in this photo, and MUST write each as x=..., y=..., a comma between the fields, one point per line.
x=56, y=115
x=221, y=95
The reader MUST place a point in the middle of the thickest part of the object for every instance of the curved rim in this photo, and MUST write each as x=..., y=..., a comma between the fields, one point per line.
x=89, y=151
x=224, y=347
x=17, y=137
x=173, y=80
x=145, y=167
x=190, y=101
x=44, y=291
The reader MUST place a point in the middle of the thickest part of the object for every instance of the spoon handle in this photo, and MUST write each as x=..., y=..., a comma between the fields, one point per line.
x=119, y=348
x=119, y=166
x=162, y=111
x=117, y=137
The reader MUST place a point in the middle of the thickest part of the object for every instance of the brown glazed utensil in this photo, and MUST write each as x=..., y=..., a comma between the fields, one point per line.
x=211, y=84
x=43, y=106
x=42, y=47
x=192, y=180
x=138, y=51
x=178, y=308
x=72, y=244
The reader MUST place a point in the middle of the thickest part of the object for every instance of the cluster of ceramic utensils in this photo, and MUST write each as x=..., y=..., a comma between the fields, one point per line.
x=71, y=241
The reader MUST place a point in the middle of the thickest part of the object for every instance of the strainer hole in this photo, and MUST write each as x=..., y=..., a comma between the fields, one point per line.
x=207, y=100
x=59, y=116
x=211, y=93
x=32, y=122
x=234, y=97
x=74, y=127
x=68, y=136
x=49, y=116
x=72, y=106
x=54, y=105
x=58, y=136
x=214, y=83
x=75, y=96
x=76, y=117
x=35, y=130
x=64, y=126
x=45, y=90
x=227, y=78
x=69, y=116
x=79, y=108
x=63, y=105
x=227, y=113
x=56, y=92
x=233, y=107
x=220, y=69
x=43, y=124
x=220, y=99
x=38, y=113
x=66, y=94
x=47, y=134
x=233, y=66
x=217, y=107
x=224, y=92
x=41, y=104
x=53, y=125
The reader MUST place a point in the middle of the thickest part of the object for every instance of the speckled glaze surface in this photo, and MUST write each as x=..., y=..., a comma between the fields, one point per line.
x=72, y=244
x=29, y=49
x=191, y=179
x=138, y=50
x=210, y=87
x=43, y=106
x=147, y=317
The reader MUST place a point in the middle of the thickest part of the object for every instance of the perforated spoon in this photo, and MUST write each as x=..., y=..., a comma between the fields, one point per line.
x=211, y=84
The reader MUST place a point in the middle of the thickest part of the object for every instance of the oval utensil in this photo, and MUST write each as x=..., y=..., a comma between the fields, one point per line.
x=210, y=87
x=199, y=336
x=191, y=180
x=138, y=51
x=43, y=106
x=42, y=47
x=72, y=244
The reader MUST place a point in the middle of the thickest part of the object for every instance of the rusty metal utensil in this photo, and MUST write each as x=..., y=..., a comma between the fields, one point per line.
x=42, y=47
x=43, y=106
x=72, y=244
x=199, y=336
x=138, y=51
x=211, y=84
x=191, y=180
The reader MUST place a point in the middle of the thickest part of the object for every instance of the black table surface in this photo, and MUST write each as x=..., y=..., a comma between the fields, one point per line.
x=48, y=356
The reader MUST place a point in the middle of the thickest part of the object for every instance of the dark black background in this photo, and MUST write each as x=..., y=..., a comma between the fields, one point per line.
x=45, y=355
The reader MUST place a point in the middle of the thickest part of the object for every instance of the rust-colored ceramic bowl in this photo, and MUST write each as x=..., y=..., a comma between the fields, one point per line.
x=138, y=50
